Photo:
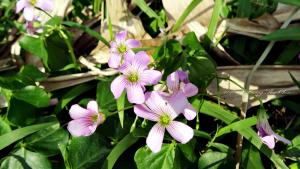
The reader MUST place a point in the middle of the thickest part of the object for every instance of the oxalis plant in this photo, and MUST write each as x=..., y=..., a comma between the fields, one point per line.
x=145, y=107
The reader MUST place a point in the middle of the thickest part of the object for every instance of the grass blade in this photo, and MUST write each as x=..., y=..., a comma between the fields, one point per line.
x=145, y=8
x=185, y=13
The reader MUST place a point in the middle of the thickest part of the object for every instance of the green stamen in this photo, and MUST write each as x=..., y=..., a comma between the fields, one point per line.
x=94, y=118
x=122, y=48
x=133, y=77
x=33, y=2
x=164, y=120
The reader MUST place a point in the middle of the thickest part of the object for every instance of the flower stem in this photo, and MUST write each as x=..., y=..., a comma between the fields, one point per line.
x=116, y=112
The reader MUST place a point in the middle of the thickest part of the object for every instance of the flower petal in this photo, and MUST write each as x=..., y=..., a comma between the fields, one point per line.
x=173, y=82
x=158, y=105
x=28, y=13
x=142, y=58
x=121, y=36
x=142, y=111
x=282, y=139
x=129, y=56
x=117, y=86
x=135, y=94
x=155, y=138
x=132, y=43
x=77, y=112
x=190, y=90
x=46, y=5
x=114, y=60
x=178, y=101
x=180, y=131
x=21, y=4
x=183, y=76
x=269, y=141
x=151, y=77
x=81, y=127
x=93, y=106
x=189, y=112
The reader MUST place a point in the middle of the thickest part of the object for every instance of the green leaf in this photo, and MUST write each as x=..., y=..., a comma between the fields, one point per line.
x=21, y=113
x=288, y=54
x=32, y=73
x=222, y=147
x=118, y=150
x=70, y=95
x=212, y=27
x=120, y=106
x=15, y=135
x=23, y=159
x=218, y=112
x=202, y=71
x=290, y=2
x=145, y=8
x=4, y=126
x=87, y=30
x=35, y=45
x=283, y=34
x=293, y=150
x=164, y=159
x=251, y=157
x=97, y=6
x=213, y=160
x=105, y=98
x=184, y=14
x=64, y=153
x=188, y=150
x=86, y=151
x=33, y=95
x=46, y=141
x=246, y=123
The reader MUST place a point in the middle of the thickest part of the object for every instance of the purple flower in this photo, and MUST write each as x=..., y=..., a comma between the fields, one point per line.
x=159, y=110
x=28, y=7
x=120, y=48
x=85, y=121
x=180, y=89
x=265, y=132
x=135, y=75
x=34, y=26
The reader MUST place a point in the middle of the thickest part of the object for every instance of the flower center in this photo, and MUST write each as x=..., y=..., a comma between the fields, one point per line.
x=164, y=120
x=133, y=77
x=122, y=48
x=33, y=2
x=94, y=118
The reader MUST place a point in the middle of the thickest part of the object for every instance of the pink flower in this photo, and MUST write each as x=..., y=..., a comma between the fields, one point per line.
x=34, y=26
x=120, y=48
x=28, y=7
x=180, y=89
x=135, y=75
x=85, y=121
x=265, y=132
x=159, y=110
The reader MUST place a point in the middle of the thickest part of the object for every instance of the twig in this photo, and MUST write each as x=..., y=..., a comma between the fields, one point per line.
x=245, y=97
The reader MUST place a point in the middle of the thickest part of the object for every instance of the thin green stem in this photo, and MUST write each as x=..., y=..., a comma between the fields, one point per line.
x=116, y=112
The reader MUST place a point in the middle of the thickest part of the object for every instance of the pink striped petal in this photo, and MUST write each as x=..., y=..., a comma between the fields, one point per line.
x=121, y=36
x=29, y=13
x=46, y=5
x=93, y=106
x=189, y=112
x=142, y=111
x=155, y=138
x=117, y=86
x=135, y=94
x=180, y=131
x=142, y=58
x=77, y=112
x=190, y=90
x=21, y=4
x=151, y=77
x=269, y=141
x=173, y=82
x=114, y=60
x=81, y=127
x=132, y=43
x=129, y=56
x=183, y=76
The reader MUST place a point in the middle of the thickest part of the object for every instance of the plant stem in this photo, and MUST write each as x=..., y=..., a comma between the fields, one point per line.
x=245, y=97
